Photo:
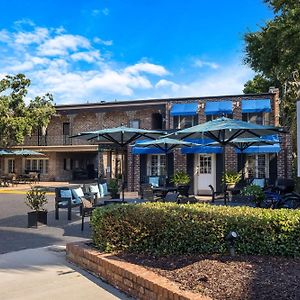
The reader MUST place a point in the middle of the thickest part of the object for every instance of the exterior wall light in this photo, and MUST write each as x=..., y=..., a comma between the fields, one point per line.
x=231, y=239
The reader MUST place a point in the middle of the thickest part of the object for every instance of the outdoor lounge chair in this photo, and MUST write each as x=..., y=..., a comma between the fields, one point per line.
x=67, y=198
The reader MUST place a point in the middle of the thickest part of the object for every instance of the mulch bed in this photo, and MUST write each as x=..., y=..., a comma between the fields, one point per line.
x=224, y=277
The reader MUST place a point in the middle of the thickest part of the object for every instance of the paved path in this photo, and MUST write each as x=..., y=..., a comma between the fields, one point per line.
x=43, y=273
x=14, y=234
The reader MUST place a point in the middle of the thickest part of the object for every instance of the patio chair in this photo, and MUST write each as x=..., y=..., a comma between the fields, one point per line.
x=146, y=192
x=98, y=192
x=65, y=199
x=217, y=195
x=171, y=197
x=87, y=209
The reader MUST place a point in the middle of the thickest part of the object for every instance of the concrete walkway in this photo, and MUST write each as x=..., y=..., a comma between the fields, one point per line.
x=43, y=273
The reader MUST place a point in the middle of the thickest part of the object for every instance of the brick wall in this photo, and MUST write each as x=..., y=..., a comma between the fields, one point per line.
x=134, y=280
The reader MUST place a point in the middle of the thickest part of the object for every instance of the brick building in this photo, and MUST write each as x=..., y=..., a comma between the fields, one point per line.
x=67, y=159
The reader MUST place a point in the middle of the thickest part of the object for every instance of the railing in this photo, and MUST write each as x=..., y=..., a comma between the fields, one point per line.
x=53, y=140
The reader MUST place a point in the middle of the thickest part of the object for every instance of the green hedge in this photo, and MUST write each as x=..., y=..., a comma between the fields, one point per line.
x=163, y=228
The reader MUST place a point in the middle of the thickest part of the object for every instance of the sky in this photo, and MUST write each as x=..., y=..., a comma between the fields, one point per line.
x=93, y=50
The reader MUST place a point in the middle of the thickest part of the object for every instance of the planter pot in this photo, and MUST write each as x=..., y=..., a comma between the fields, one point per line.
x=230, y=186
x=183, y=190
x=36, y=218
x=115, y=195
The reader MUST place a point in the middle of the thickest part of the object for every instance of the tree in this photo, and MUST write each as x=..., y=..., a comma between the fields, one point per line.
x=259, y=84
x=274, y=53
x=16, y=118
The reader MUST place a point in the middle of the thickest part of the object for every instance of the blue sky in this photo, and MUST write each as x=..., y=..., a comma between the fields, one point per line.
x=135, y=49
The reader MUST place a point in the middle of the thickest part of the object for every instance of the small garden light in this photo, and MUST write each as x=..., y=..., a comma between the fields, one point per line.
x=231, y=238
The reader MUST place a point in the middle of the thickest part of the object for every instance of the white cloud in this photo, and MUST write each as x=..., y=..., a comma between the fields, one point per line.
x=147, y=68
x=73, y=69
x=201, y=63
x=105, y=11
x=63, y=44
x=88, y=56
x=95, y=12
x=97, y=40
x=35, y=37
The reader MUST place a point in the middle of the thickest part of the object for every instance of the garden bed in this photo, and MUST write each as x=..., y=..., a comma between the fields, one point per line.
x=223, y=277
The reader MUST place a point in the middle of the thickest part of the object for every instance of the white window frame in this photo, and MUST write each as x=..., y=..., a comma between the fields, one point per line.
x=161, y=168
x=182, y=121
x=45, y=164
x=256, y=168
x=8, y=168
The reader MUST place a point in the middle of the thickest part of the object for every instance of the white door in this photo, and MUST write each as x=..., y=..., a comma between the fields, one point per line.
x=205, y=173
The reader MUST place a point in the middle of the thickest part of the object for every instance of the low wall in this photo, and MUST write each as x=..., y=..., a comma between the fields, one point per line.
x=131, y=279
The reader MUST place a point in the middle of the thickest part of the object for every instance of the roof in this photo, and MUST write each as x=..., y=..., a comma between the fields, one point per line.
x=161, y=101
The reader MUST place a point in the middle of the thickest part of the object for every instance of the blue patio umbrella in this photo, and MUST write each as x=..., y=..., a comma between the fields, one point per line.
x=120, y=136
x=165, y=145
x=223, y=130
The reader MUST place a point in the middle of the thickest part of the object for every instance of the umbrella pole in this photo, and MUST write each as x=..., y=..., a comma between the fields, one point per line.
x=166, y=170
x=123, y=176
x=224, y=183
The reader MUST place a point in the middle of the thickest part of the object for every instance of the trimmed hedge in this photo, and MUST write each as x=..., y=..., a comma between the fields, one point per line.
x=167, y=228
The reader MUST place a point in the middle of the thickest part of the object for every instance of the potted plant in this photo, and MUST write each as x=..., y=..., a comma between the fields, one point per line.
x=113, y=186
x=36, y=199
x=255, y=194
x=181, y=180
x=231, y=179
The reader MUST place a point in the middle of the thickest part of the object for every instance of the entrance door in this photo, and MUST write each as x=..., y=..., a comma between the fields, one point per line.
x=205, y=173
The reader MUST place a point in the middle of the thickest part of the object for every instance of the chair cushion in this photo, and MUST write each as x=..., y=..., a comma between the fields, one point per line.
x=65, y=203
x=258, y=181
x=95, y=189
x=105, y=189
x=66, y=193
x=101, y=190
x=77, y=193
x=154, y=181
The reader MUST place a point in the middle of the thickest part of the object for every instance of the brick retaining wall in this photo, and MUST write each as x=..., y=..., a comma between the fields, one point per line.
x=131, y=279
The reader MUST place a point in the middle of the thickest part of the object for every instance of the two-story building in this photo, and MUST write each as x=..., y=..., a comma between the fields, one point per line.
x=67, y=159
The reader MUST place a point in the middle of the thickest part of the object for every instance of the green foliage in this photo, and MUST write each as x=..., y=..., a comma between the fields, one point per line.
x=180, y=178
x=258, y=84
x=36, y=199
x=168, y=228
x=16, y=118
x=231, y=177
x=255, y=193
x=113, y=185
x=274, y=53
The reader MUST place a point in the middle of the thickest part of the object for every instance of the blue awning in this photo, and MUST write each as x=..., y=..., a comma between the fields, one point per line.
x=142, y=150
x=201, y=149
x=260, y=149
x=257, y=105
x=184, y=109
x=218, y=108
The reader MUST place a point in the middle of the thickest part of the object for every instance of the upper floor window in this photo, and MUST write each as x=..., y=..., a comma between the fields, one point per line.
x=181, y=122
x=134, y=123
x=257, y=118
x=66, y=133
x=214, y=117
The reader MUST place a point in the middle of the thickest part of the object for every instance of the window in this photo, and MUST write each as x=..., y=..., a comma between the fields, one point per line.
x=156, y=165
x=214, y=117
x=66, y=133
x=257, y=118
x=11, y=165
x=33, y=164
x=68, y=164
x=257, y=166
x=205, y=164
x=134, y=123
x=181, y=122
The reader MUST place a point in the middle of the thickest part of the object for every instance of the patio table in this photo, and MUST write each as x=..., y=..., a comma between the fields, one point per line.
x=164, y=190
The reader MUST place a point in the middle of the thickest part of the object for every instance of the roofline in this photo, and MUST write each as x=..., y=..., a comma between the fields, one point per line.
x=152, y=101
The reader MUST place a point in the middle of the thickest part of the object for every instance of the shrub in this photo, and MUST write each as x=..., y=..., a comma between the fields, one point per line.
x=180, y=178
x=167, y=228
x=36, y=199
